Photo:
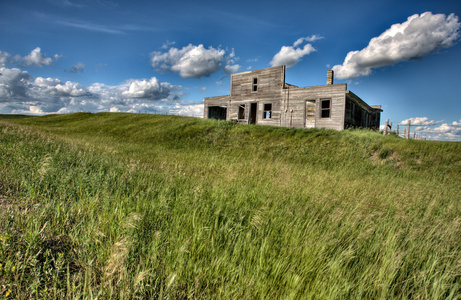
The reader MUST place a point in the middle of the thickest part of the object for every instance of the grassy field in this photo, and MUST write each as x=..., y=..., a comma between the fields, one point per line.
x=130, y=206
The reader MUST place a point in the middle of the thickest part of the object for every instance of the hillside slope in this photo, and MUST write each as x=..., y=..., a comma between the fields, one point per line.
x=164, y=206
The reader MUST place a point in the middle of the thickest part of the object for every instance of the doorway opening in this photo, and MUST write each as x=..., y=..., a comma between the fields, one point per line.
x=253, y=112
x=310, y=113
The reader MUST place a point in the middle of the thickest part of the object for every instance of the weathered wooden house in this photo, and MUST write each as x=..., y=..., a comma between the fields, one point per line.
x=262, y=97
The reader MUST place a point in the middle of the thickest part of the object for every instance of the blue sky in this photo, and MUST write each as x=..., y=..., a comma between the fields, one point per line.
x=61, y=56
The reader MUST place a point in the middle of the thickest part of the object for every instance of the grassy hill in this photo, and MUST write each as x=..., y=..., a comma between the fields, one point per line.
x=148, y=206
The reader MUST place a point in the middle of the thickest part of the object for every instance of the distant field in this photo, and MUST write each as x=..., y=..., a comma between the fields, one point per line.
x=115, y=205
x=6, y=117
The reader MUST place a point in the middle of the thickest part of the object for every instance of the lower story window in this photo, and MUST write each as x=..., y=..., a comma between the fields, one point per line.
x=241, y=114
x=326, y=108
x=267, y=114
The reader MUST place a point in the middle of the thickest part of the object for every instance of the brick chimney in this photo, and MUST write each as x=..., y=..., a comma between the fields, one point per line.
x=330, y=76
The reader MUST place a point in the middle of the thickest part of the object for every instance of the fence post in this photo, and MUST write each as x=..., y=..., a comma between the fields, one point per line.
x=397, y=130
x=408, y=129
x=385, y=127
x=390, y=128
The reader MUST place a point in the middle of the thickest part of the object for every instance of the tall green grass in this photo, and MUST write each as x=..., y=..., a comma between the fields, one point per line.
x=138, y=206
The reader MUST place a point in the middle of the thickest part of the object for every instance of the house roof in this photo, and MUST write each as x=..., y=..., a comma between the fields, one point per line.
x=290, y=86
x=363, y=103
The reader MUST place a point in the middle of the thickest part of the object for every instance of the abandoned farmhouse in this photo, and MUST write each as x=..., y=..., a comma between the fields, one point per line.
x=262, y=97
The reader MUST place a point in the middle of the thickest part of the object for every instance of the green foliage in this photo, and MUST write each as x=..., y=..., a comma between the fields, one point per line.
x=139, y=206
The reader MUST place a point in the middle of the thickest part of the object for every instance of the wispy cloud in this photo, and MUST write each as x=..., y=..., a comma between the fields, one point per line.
x=308, y=39
x=247, y=20
x=168, y=44
x=90, y=26
x=77, y=68
x=67, y=3
x=117, y=26
x=3, y=58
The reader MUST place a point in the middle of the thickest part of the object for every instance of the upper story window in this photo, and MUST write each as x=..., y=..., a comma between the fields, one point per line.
x=326, y=108
x=255, y=84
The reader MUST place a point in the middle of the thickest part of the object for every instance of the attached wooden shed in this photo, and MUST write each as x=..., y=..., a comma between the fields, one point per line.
x=262, y=97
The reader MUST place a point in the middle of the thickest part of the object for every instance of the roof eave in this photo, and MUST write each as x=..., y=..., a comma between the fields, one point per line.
x=358, y=99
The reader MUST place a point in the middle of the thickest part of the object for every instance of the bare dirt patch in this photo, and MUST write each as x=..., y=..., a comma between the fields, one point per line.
x=6, y=205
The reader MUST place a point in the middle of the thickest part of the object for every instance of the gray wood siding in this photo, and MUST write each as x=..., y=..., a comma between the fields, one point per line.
x=216, y=101
x=270, y=84
x=295, y=106
x=289, y=102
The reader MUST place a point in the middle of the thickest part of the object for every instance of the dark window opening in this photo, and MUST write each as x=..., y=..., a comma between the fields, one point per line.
x=217, y=112
x=267, y=114
x=349, y=110
x=326, y=107
x=358, y=116
x=241, y=114
x=350, y=114
x=255, y=84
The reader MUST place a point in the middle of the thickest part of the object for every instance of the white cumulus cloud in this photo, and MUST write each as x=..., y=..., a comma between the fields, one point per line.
x=148, y=89
x=54, y=87
x=231, y=69
x=20, y=93
x=420, y=121
x=185, y=109
x=37, y=58
x=433, y=130
x=194, y=61
x=291, y=55
x=419, y=36
x=14, y=84
x=446, y=131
